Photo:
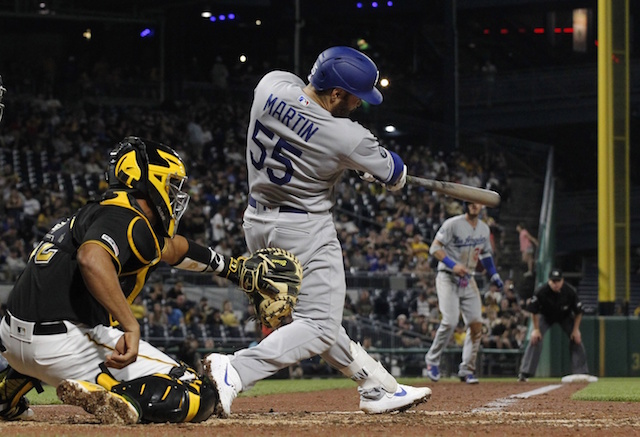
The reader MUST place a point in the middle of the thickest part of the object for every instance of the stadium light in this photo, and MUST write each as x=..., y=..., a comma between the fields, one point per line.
x=147, y=33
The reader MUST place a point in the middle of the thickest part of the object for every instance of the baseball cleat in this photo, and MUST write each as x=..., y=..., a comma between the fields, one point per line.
x=469, y=379
x=523, y=377
x=221, y=373
x=379, y=401
x=108, y=407
x=433, y=372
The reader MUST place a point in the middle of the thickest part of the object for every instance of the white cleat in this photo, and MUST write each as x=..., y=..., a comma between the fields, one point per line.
x=108, y=407
x=221, y=373
x=379, y=401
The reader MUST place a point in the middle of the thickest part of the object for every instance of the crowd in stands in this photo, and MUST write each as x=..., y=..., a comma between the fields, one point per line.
x=52, y=160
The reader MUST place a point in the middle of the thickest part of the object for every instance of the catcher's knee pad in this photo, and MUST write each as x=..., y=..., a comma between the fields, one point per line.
x=165, y=398
x=13, y=387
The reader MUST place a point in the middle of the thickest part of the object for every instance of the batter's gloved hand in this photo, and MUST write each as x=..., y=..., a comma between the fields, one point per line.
x=400, y=183
x=366, y=176
x=497, y=280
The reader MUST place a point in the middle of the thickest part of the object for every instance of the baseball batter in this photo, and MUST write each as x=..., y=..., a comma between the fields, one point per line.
x=300, y=142
x=459, y=244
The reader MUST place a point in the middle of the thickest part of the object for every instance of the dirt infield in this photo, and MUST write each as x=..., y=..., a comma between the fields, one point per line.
x=455, y=409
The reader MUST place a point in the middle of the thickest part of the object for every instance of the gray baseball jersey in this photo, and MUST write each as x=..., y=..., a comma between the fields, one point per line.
x=296, y=153
x=465, y=245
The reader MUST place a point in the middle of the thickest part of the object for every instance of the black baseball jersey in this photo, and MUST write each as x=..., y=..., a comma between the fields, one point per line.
x=52, y=288
x=555, y=306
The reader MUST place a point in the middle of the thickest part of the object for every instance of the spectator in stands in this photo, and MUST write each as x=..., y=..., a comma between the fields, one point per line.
x=175, y=319
x=357, y=261
x=218, y=225
x=176, y=290
x=250, y=322
x=158, y=323
x=229, y=317
x=459, y=335
x=404, y=329
x=495, y=337
x=493, y=293
x=381, y=307
x=349, y=310
x=214, y=323
x=138, y=309
x=14, y=204
x=373, y=258
x=417, y=247
x=364, y=305
x=421, y=304
x=155, y=295
x=31, y=209
x=528, y=244
x=15, y=264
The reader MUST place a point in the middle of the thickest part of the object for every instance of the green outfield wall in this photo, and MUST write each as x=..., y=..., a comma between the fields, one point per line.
x=612, y=344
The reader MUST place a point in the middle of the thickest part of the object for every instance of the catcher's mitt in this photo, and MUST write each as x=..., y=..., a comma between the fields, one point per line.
x=271, y=278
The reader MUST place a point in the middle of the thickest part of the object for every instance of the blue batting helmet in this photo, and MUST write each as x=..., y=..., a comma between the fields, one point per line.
x=348, y=69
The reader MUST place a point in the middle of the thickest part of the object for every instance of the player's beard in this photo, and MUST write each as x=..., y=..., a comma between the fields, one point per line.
x=342, y=109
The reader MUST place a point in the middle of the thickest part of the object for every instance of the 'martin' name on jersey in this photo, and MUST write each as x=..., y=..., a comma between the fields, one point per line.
x=280, y=110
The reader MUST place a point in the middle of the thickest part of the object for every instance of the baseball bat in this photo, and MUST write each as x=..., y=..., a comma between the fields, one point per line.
x=459, y=191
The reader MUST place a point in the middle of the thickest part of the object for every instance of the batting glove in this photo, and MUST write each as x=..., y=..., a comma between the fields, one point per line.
x=497, y=280
x=366, y=176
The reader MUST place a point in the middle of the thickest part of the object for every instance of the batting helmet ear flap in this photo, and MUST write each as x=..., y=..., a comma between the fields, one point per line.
x=465, y=206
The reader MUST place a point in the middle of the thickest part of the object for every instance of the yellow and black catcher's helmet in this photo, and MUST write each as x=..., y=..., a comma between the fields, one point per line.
x=157, y=172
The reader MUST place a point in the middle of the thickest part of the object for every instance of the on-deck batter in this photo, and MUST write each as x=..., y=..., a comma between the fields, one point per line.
x=459, y=244
x=300, y=142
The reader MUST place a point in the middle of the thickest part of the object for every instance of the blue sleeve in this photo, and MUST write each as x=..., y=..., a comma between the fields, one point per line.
x=398, y=168
x=487, y=262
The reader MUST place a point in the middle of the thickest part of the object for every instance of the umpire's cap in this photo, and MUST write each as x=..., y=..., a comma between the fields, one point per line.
x=555, y=274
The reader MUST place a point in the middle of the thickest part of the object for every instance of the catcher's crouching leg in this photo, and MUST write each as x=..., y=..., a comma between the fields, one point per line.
x=165, y=398
x=13, y=386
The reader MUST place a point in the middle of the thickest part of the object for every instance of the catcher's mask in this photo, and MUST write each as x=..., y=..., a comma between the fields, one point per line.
x=157, y=172
x=2, y=91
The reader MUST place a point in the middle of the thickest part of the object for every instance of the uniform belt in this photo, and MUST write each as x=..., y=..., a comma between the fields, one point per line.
x=284, y=208
x=43, y=328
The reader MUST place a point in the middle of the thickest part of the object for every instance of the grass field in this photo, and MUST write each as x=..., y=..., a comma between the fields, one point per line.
x=606, y=389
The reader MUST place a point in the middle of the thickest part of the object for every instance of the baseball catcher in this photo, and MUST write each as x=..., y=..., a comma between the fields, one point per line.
x=69, y=322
